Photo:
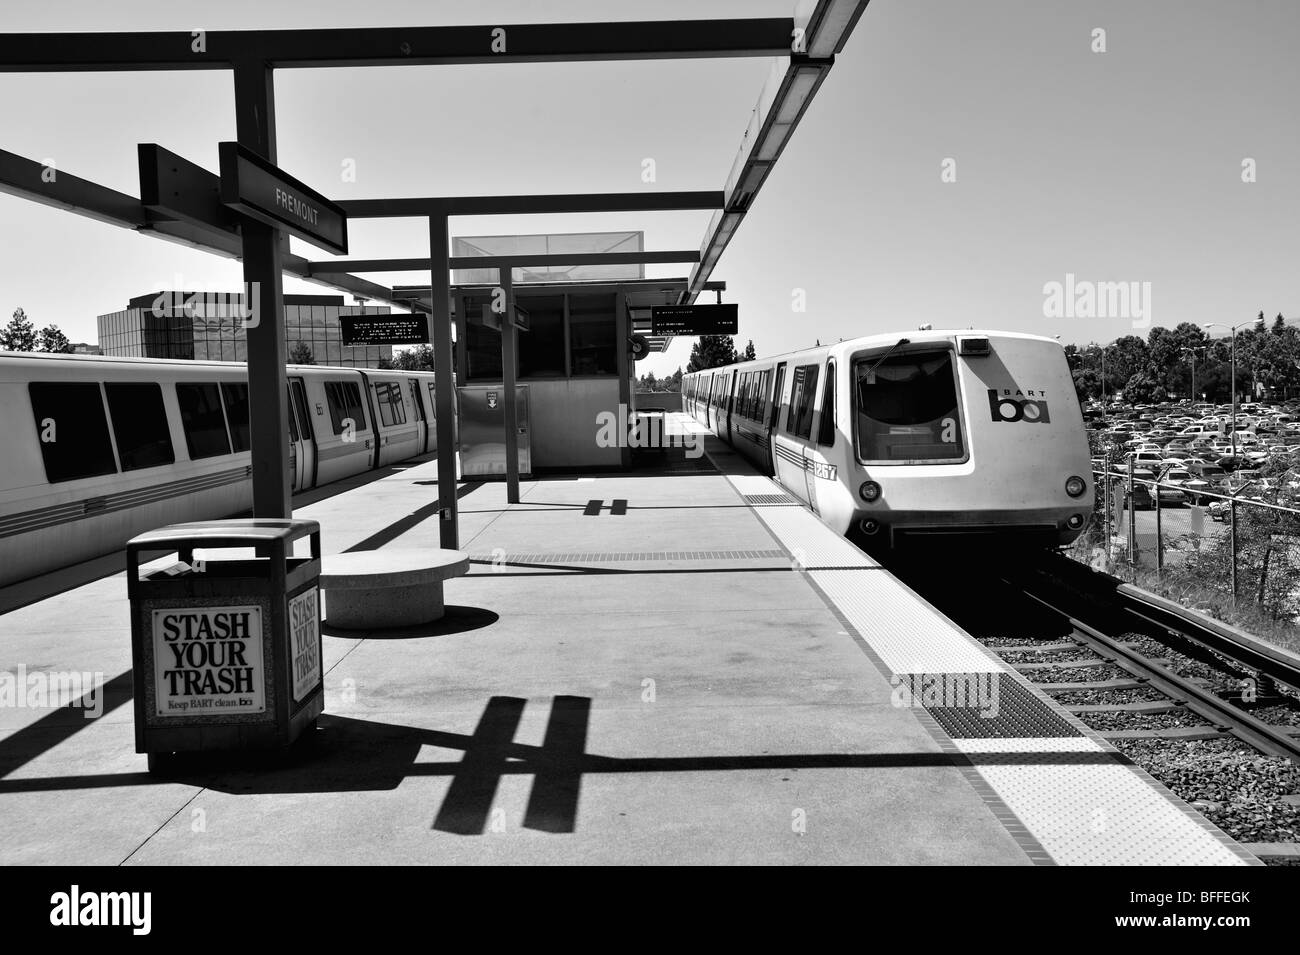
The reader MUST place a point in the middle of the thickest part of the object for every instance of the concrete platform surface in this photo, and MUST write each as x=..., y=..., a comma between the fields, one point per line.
x=634, y=671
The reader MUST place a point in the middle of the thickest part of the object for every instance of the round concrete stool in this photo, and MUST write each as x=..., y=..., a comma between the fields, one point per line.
x=387, y=588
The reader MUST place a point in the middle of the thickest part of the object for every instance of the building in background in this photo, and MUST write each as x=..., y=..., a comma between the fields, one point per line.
x=85, y=348
x=186, y=325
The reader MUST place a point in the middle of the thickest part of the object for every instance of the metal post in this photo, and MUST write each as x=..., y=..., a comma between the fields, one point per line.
x=511, y=416
x=1132, y=517
x=1234, y=422
x=1107, y=524
x=1104, y=416
x=1160, y=547
x=444, y=380
x=262, y=250
x=1232, y=547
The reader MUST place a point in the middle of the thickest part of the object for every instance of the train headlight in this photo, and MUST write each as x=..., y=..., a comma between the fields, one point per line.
x=1075, y=521
x=869, y=491
x=1075, y=486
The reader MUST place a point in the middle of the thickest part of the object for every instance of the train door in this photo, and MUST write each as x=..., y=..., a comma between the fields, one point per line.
x=421, y=420
x=773, y=417
x=301, y=436
x=787, y=453
x=728, y=391
x=816, y=465
x=793, y=433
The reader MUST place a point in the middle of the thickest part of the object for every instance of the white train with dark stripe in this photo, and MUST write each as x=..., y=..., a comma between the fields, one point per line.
x=923, y=433
x=97, y=450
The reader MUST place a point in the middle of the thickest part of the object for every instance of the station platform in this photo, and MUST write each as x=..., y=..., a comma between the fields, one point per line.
x=666, y=667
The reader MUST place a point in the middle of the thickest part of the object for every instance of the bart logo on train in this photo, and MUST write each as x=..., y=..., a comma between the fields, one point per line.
x=1018, y=406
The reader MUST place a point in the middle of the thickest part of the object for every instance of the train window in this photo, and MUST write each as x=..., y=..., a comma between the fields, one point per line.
x=826, y=426
x=139, y=425
x=388, y=396
x=344, y=399
x=804, y=389
x=72, y=429
x=907, y=409
x=415, y=400
x=235, y=397
x=293, y=420
x=201, y=415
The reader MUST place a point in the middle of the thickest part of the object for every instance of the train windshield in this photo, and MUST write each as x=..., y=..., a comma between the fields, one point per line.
x=907, y=409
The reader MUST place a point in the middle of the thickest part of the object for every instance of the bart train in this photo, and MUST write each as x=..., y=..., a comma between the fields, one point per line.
x=97, y=450
x=893, y=438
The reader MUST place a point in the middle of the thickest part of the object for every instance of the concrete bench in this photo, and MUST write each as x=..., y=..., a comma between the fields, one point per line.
x=387, y=588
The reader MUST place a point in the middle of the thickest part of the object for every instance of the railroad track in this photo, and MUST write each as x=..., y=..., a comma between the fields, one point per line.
x=1219, y=712
x=1085, y=610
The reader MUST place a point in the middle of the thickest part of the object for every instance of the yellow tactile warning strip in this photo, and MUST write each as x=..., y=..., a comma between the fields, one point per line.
x=1066, y=796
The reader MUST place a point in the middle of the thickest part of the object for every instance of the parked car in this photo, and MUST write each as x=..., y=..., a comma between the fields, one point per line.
x=1140, y=499
x=1181, y=477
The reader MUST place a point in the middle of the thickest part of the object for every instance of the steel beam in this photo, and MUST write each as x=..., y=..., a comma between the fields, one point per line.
x=29, y=179
x=532, y=205
x=396, y=46
x=337, y=266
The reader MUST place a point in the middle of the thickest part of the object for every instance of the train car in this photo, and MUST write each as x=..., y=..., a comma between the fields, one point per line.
x=895, y=438
x=97, y=450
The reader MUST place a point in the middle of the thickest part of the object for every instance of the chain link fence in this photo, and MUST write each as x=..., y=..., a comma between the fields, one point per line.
x=1227, y=551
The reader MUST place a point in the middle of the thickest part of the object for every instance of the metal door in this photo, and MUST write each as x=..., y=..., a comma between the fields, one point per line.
x=482, y=423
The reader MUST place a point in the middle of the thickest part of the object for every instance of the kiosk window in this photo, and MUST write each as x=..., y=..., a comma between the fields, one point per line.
x=541, y=348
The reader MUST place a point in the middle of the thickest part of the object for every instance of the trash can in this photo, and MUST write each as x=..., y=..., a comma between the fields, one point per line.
x=226, y=650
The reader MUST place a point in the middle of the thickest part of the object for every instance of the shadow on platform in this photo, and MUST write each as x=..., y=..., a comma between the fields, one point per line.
x=455, y=620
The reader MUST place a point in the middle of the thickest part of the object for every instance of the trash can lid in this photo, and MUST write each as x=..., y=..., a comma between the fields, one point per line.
x=237, y=532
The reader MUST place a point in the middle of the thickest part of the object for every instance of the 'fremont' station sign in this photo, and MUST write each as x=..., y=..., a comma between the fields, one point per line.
x=267, y=193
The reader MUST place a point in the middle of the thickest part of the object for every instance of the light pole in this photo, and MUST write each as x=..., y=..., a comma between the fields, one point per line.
x=1233, y=330
x=1103, y=377
x=1194, y=351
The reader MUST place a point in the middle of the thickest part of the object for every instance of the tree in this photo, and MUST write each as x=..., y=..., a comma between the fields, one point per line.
x=301, y=354
x=52, y=340
x=386, y=363
x=419, y=358
x=1279, y=324
x=1087, y=383
x=1143, y=388
x=710, y=351
x=749, y=354
x=19, y=334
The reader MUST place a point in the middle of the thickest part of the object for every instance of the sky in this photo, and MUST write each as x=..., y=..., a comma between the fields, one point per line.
x=1061, y=160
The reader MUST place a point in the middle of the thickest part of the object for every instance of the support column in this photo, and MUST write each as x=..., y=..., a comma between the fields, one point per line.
x=444, y=383
x=511, y=416
x=264, y=298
